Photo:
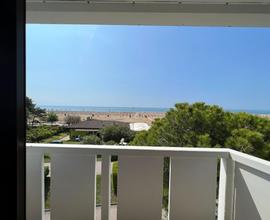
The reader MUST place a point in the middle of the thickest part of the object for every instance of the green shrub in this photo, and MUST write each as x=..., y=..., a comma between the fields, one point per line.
x=116, y=133
x=73, y=134
x=91, y=139
x=114, y=177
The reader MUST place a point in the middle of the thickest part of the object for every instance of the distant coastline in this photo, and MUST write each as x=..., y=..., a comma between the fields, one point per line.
x=102, y=109
x=124, y=114
x=131, y=109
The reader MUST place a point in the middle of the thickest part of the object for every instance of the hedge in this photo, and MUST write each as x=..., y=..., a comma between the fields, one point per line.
x=37, y=134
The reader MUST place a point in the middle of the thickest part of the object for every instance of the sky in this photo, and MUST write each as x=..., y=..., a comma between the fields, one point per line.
x=148, y=66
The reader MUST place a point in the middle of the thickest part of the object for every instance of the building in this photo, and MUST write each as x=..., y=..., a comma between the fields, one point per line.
x=139, y=126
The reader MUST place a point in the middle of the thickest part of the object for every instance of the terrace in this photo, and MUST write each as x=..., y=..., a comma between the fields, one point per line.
x=243, y=186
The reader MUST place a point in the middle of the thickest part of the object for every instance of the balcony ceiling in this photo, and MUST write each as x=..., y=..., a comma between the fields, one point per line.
x=147, y=12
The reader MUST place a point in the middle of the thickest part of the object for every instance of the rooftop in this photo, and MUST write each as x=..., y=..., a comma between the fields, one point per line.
x=96, y=124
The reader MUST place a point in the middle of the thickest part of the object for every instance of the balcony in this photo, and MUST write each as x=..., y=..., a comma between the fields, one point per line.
x=243, y=183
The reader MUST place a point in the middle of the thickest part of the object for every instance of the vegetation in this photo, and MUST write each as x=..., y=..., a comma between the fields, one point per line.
x=201, y=125
x=74, y=134
x=116, y=133
x=109, y=135
x=33, y=113
x=52, y=117
x=70, y=119
x=91, y=139
x=114, y=177
x=38, y=134
x=98, y=192
x=186, y=125
x=55, y=137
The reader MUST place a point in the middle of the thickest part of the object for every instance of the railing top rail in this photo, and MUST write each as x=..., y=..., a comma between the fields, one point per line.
x=242, y=158
x=130, y=150
x=250, y=161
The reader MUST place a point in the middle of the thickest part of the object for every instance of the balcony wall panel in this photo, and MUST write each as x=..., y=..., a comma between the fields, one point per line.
x=140, y=188
x=73, y=184
x=193, y=188
x=252, y=194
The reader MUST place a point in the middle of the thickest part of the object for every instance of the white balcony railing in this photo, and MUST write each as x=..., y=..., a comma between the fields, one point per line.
x=244, y=186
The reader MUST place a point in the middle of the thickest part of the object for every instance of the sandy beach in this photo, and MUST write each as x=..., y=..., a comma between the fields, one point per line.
x=131, y=117
x=264, y=115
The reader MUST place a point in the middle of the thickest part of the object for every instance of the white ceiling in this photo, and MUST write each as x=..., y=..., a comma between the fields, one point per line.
x=155, y=1
x=145, y=12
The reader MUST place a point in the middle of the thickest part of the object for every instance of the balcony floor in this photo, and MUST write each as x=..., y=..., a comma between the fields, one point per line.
x=112, y=217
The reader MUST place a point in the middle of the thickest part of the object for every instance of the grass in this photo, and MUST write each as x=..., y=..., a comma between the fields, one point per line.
x=72, y=142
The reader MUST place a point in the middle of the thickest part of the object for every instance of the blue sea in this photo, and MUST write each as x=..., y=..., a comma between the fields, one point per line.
x=130, y=109
x=103, y=109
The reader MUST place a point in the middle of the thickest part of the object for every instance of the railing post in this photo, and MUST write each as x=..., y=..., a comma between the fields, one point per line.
x=105, y=187
x=226, y=189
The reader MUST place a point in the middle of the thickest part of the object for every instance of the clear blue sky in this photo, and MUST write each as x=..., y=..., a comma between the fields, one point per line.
x=148, y=66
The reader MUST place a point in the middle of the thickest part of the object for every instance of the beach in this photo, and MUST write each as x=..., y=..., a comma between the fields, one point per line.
x=130, y=117
x=264, y=115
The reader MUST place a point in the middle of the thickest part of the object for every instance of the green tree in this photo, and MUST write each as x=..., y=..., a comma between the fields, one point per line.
x=30, y=106
x=116, y=133
x=33, y=112
x=184, y=125
x=202, y=125
x=247, y=141
x=52, y=117
x=204, y=140
x=141, y=139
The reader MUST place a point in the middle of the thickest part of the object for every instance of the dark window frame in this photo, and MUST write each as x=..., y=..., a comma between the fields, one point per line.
x=12, y=93
x=21, y=116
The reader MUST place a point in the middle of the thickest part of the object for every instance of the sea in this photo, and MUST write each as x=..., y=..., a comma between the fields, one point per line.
x=102, y=109
x=130, y=109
